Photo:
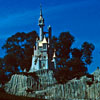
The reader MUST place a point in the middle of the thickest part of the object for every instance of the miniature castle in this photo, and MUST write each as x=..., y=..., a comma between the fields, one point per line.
x=43, y=58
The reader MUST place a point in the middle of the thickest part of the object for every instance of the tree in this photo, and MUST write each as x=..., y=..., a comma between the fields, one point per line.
x=3, y=76
x=63, y=47
x=19, y=49
x=73, y=62
x=87, y=49
x=11, y=63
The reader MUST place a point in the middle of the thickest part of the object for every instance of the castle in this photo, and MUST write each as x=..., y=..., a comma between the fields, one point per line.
x=45, y=85
x=43, y=58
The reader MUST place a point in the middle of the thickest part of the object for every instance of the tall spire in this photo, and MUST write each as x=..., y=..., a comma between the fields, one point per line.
x=41, y=19
x=40, y=9
x=41, y=24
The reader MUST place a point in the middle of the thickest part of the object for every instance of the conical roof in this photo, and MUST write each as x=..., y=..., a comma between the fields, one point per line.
x=54, y=55
x=44, y=40
x=40, y=44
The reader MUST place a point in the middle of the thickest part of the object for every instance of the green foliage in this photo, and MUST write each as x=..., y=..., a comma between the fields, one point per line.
x=63, y=44
x=3, y=76
x=87, y=49
x=19, y=48
x=11, y=62
x=72, y=62
x=62, y=75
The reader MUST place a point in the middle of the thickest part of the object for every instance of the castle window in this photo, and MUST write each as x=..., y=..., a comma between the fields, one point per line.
x=44, y=46
x=40, y=21
x=44, y=56
x=43, y=65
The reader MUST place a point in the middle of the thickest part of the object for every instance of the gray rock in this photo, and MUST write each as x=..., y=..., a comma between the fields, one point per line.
x=46, y=87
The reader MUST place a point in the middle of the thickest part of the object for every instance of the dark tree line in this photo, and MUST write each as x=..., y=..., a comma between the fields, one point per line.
x=19, y=50
x=71, y=62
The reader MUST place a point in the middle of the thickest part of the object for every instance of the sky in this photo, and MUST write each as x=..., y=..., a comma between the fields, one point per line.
x=80, y=17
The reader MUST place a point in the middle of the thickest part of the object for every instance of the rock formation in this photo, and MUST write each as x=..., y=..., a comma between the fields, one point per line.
x=85, y=88
x=30, y=85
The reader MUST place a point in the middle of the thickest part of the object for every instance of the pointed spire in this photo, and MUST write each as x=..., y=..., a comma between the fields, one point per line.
x=41, y=19
x=37, y=39
x=41, y=24
x=40, y=9
x=40, y=44
x=34, y=47
x=49, y=26
x=54, y=55
x=44, y=40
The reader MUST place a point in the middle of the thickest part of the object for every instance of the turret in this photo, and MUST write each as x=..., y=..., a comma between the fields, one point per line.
x=41, y=24
x=42, y=58
x=54, y=59
x=49, y=34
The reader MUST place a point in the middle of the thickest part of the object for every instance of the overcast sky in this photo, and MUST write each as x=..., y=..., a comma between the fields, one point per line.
x=80, y=17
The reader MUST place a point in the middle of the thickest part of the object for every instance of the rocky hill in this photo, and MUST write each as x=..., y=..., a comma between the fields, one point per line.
x=45, y=86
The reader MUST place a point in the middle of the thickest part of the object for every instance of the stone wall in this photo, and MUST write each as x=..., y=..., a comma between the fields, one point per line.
x=84, y=88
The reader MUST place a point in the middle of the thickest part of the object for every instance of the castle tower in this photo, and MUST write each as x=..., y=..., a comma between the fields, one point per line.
x=41, y=24
x=42, y=58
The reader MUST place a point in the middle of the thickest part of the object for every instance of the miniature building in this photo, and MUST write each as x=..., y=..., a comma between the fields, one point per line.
x=42, y=58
